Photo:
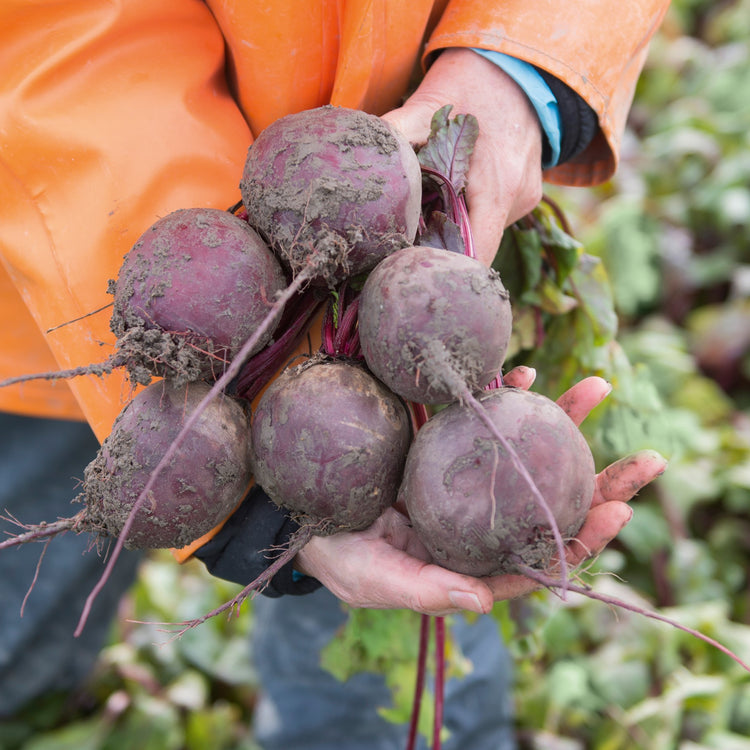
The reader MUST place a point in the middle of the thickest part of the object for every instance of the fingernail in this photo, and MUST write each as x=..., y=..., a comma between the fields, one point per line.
x=466, y=600
x=627, y=520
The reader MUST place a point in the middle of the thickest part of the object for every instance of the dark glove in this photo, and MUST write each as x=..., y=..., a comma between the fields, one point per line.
x=250, y=540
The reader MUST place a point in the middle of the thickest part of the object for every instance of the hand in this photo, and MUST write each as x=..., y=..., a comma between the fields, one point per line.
x=505, y=174
x=386, y=566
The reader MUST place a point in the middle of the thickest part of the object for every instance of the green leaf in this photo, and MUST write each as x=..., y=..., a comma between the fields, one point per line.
x=592, y=287
x=629, y=251
x=449, y=146
x=80, y=735
x=150, y=724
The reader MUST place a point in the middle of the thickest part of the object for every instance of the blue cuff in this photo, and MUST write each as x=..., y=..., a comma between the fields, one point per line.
x=540, y=96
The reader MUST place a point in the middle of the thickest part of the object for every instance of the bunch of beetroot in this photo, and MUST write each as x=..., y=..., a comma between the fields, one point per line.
x=337, y=210
x=212, y=302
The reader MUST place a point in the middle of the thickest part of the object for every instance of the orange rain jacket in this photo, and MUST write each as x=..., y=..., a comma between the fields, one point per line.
x=113, y=114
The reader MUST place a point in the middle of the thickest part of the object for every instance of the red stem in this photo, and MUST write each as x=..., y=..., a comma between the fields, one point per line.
x=260, y=367
x=553, y=583
x=439, y=682
x=424, y=640
x=44, y=531
x=295, y=544
x=459, y=213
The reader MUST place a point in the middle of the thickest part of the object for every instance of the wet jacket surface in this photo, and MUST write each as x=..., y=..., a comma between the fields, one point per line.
x=113, y=114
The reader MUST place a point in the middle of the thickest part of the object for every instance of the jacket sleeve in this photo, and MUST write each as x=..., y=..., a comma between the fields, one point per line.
x=596, y=47
x=112, y=114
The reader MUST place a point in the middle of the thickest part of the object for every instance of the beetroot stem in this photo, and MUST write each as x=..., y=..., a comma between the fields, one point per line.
x=298, y=540
x=229, y=374
x=458, y=210
x=439, y=682
x=553, y=583
x=102, y=368
x=424, y=641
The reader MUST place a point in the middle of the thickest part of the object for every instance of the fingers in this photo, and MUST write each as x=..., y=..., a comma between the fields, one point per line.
x=413, y=120
x=609, y=514
x=624, y=478
x=383, y=567
x=428, y=589
x=582, y=397
x=489, y=207
x=603, y=523
x=510, y=586
x=520, y=377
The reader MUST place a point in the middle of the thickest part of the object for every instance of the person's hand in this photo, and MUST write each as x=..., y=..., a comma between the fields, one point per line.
x=386, y=566
x=505, y=172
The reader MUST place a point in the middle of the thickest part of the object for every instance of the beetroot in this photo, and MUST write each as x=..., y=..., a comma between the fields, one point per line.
x=432, y=322
x=197, y=489
x=330, y=444
x=190, y=292
x=470, y=506
x=336, y=180
x=200, y=487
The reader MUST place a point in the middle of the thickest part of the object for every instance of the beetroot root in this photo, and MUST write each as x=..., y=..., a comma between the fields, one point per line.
x=471, y=507
x=190, y=292
x=433, y=322
x=329, y=445
x=336, y=180
x=204, y=482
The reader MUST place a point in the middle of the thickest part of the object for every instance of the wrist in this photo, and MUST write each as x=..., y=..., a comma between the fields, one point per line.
x=540, y=96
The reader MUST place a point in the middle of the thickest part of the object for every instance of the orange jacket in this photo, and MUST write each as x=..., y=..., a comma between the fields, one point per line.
x=113, y=114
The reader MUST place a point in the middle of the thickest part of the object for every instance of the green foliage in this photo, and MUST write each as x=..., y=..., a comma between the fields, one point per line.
x=563, y=310
x=150, y=690
x=672, y=232
x=387, y=642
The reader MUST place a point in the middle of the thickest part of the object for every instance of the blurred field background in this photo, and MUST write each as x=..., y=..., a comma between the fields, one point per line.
x=659, y=303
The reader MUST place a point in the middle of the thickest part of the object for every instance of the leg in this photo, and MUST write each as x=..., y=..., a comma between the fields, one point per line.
x=41, y=464
x=305, y=708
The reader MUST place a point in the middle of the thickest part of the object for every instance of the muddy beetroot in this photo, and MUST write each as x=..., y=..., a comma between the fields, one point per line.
x=336, y=180
x=471, y=507
x=330, y=444
x=432, y=322
x=199, y=488
x=190, y=292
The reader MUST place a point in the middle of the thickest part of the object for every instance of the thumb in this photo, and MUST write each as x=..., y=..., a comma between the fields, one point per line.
x=413, y=119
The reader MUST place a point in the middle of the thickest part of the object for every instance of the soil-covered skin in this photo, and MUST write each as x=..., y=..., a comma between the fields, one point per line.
x=203, y=483
x=190, y=292
x=428, y=317
x=335, y=180
x=470, y=506
x=330, y=444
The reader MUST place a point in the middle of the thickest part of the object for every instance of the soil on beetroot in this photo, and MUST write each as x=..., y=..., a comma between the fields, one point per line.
x=295, y=205
x=200, y=487
x=468, y=503
x=189, y=293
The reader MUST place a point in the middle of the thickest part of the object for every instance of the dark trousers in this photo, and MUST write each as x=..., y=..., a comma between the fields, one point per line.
x=304, y=708
x=41, y=466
